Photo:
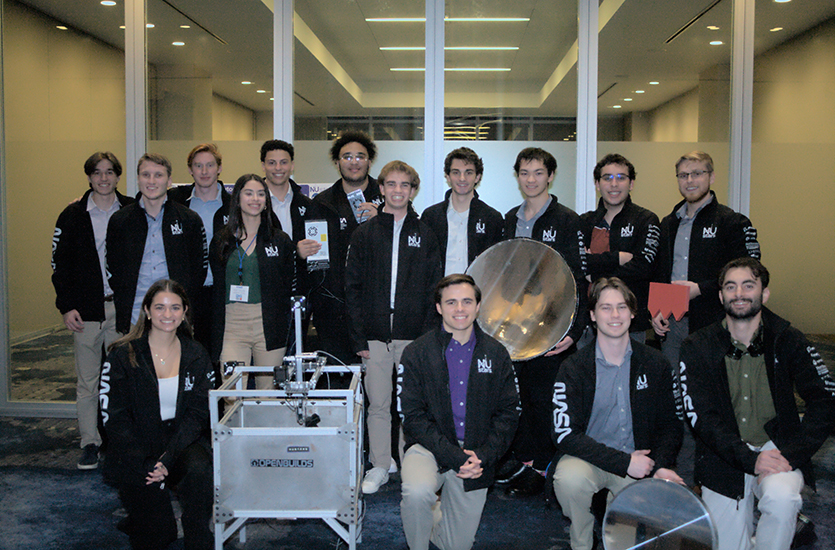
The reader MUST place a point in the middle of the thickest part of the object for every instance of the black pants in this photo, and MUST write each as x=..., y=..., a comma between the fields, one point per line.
x=536, y=387
x=151, y=524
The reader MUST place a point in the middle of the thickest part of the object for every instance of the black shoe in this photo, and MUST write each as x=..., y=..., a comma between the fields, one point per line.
x=508, y=471
x=89, y=458
x=528, y=483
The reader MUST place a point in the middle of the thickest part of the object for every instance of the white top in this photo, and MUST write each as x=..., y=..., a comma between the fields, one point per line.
x=282, y=211
x=395, y=255
x=168, y=388
x=456, y=243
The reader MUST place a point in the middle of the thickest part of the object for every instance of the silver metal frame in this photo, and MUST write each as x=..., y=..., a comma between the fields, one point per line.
x=231, y=517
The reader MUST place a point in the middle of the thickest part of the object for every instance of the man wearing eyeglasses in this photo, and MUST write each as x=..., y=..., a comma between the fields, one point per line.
x=621, y=237
x=352, y=152
x=697, y=239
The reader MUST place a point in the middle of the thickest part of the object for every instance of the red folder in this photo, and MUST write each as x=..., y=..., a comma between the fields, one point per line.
x=668, y=300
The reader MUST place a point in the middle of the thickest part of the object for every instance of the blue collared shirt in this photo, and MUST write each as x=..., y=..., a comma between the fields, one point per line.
x=206, y=210
x=154, y=265
x=524, y=228
x=610, y=422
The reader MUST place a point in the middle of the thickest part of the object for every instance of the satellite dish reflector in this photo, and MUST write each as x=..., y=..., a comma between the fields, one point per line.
x=529, y=296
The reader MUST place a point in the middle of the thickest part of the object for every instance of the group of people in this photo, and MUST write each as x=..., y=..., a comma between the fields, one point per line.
x=600, y=408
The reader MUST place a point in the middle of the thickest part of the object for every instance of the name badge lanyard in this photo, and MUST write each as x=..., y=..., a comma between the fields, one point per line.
x=241, y=260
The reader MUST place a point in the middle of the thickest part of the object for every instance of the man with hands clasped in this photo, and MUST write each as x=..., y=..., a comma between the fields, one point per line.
x=614, y=412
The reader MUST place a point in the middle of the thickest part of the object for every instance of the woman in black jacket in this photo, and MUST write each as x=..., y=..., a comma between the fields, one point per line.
x=252, y=262
x=154, y=403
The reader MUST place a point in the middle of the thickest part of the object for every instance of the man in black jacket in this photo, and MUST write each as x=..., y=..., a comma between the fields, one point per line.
x=207, y=197
x=464, y=225
x=83, y=294
x=542, y=218
x=352, y=152
x=459, y=405
x=621, y=237
x=614, y=415
x=392, y=266
x=739, y=377
x=697, y=238
x=153, y=239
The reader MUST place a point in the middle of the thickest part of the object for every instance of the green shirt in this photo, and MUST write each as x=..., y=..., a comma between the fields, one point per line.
x=750, y=393
x=249, y=276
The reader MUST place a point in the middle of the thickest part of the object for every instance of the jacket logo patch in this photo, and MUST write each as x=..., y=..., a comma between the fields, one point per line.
x=176, y=229
x=104, y=392
x=343, y=223
x=641, y=382
x=188, y=383
x=480, y=227
x=627, y=230
x=549, y=236
x=302, y=210
x=485, y=366
x=271, y=251
x=377, y=202
x=709, y=232
x=225, y=220
x=414, y=240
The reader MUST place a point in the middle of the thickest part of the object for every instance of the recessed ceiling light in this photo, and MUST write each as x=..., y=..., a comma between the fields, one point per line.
x=178, y=43
x=185, y=26
x=775, y=29
x=246, y=82
x=617, y=107
x=712, y=28
x=653, y=83
x=453, y=69
x=716, y=42
x=272, y=99
x=782, y=1
x=121, y=26
x=108, y=3
x=639, y=91
x=261, y=91
x=61, y=27
x=150, y=25
x=627, y=99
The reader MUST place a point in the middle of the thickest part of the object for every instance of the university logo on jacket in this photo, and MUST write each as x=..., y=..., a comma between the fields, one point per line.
x=562, y=422
x=271, y=251
x=414, y=240
x=177, y=228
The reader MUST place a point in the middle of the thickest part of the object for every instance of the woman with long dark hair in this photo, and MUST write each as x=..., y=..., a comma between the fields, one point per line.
x=252, y=262
x=155, y=407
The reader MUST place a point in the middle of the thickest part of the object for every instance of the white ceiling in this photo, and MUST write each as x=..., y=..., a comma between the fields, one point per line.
x=341, y=70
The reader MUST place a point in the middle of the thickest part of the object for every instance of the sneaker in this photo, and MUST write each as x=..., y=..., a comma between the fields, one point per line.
x=89, y=458
x=393, y=467
x=374, y=479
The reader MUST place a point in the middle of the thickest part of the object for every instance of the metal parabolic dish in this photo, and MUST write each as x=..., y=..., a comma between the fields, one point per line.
x=529, y=296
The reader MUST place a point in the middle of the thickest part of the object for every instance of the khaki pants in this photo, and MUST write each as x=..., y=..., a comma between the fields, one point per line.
x=88, y=355
x=575, y=483
x=379, y=369
x=243, y=340
x=453, y=525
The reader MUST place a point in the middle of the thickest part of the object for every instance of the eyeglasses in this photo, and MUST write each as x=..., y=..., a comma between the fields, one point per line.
x=359, y=157
x=620, y=178
x=683, y=176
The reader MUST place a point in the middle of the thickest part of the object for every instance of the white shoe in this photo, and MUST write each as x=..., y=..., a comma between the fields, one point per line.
x=393, y=467
x=374, y=479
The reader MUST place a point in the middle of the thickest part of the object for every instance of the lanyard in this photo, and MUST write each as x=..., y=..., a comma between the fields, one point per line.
x=241, y=260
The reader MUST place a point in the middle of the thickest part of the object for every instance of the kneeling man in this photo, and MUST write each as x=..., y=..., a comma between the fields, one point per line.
x=739, y=378
x=614, y=412
x=459, y=405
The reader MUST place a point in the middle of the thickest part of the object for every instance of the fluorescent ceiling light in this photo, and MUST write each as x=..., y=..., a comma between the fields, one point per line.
x=150, y=25
x=617, y=107
x=627, y=99
x=712, y=28
x=451, y=19
x=452, y=69
x=653, y=83
x=716, y=42
x=185, y=26
x=639, y=91
x=455, y=48
x=178, y=43
x=61, y=27
x=775, y=29
x=261, y=91
x=246, y=82
x=108, y=3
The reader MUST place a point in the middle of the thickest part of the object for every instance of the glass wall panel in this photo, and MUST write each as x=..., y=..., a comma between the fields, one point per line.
x=210, y=79
x=359, y=65
x=793, y=156
x=510, y=83
x=664, y=90
x=64, y=93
